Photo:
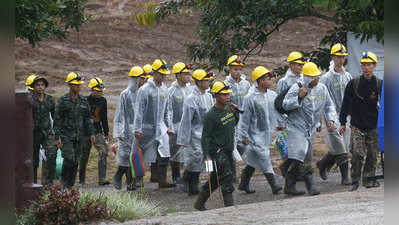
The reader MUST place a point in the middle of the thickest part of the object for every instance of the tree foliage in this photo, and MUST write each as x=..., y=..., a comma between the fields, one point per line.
x=37, y=20
x=243, y=27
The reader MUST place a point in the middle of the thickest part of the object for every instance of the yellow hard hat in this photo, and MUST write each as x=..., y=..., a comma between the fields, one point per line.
x=181, y=68
x=369, y=57
x=29, y=81
x=219, y=87
x=296, y=57
x=310, y=69
x=338, y=49
x=160, y=66
x=136, y=71
x=259, y=72
x=148, y=70
x=96, y=84
x=235, y=61
x=74, y=78
x=200, y=74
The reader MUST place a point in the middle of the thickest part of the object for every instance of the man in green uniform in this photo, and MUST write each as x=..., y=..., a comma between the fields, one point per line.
x=72, y=116
x=218, y=145
x=43, y=135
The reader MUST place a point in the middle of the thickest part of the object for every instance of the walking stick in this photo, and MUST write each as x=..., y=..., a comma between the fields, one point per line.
x=210, y=190
x=219, y=187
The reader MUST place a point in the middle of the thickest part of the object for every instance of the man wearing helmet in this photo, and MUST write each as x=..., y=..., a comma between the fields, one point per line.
x=72, y=117
x=177, y=92
x=149, y=126
x=195, y=106
x=123, y=128
x=307, y=102
x=217, y=143
x=98, y=110
x=43, y=135
x=336, y=80
x=361, y=99
x=256, y=127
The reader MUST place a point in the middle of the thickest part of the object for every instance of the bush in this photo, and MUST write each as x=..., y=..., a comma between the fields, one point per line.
x=69, y=206
x=65, y=206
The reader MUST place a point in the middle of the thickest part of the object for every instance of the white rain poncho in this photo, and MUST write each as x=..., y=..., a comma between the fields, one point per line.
x=238, y=90
x=176, y=96
x=336, y=84
x=283, y=85
x=123, y=122
x=306, y=115
x=195, y=107
x=150, y=120
x=257, y=124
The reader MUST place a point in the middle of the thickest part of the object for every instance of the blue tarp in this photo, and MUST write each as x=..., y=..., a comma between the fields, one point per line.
x=380, y=124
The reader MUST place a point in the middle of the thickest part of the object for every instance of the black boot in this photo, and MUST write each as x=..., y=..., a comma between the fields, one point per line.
x=35, y=175
x=272, y=181
x=154, y=173
x=118, y=177
x=344, y=174
x=228, y=199
x=184, y=181
x=193, y=184
x=323, y=164
x=309, y=185
x=175, y=166
x=201, y=199
x=246, y=175
x=290, y=185
x=354, y=186
x=162, y=179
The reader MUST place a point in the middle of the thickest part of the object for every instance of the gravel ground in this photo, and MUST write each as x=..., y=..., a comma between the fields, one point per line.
x=333, y=206
x=334, y=197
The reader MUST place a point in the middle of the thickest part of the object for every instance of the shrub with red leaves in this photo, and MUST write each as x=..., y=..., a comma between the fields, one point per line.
x=64, y=206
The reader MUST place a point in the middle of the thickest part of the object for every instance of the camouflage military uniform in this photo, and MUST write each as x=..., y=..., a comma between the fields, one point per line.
x=43, y=135
x=364, y=147
x=72, y=116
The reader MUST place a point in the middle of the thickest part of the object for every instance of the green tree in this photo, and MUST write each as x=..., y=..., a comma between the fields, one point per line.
x=229, y=27
x=37, y=20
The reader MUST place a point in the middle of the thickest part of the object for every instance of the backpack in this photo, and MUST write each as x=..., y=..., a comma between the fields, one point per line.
x=278, y=102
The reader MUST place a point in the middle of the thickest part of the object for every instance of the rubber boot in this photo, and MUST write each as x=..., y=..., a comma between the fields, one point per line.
x=183, y=183
x=290, y=186
x=344, y=174
x=203, y=196
x=272, y=181
x=162, y=179
x=193, y=184
x=118, y=177
x=309, y=185
x=228, y=199
x=322, y=165
x=154, y=173
x=175, y=166
x=354, y=186
x=246, y=175
x=35, y=175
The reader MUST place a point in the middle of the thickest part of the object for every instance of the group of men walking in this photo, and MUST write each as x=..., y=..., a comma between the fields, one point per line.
x=210, y=120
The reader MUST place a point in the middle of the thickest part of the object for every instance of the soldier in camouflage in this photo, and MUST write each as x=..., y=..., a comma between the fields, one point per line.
x=72, y=116
x=43, y=134
x=361, y=99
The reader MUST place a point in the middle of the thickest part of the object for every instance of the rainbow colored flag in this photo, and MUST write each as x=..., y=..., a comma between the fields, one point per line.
x=136, y=162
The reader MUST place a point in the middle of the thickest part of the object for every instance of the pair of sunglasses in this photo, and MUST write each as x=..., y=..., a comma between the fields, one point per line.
x=365, y=55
